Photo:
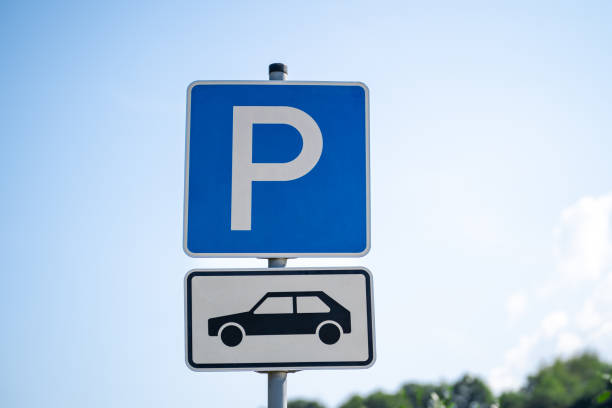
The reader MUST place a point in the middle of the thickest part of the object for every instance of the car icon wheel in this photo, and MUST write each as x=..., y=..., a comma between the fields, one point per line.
x=329, y=333
x=231, y=335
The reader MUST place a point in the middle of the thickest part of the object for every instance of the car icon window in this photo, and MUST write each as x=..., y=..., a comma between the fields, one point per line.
x=275, y=305
x=311, y=304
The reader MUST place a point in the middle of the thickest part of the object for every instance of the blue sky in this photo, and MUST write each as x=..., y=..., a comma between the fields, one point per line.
x=491, y=188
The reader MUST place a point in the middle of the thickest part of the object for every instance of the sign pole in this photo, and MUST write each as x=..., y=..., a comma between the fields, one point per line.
x=277, y=389
x=277, y=380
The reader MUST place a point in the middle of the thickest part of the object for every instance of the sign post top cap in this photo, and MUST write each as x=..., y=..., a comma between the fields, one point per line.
x=277, y=67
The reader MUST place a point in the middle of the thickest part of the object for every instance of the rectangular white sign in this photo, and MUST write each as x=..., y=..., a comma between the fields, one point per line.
x=278, y=320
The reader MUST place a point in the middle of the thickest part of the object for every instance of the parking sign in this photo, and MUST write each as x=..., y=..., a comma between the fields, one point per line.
x=277, y=169
x=289, y=319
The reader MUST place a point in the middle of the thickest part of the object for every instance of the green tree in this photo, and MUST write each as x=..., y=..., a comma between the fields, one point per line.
x=420, y=395
x=564, y=383
x=378, y=399
x=300, y=403
x=354, y=402
x=512, y=399
x=579, y=382
x=583, y=381
x=471, y=392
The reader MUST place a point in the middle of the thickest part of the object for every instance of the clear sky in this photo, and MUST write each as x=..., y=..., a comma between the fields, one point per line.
x=491, y=147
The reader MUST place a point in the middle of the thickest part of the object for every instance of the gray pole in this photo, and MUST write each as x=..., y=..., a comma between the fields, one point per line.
x=277, y=389
x=277, y=72
x=277, y=380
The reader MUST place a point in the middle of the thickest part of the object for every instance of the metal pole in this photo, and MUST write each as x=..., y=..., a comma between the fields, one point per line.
x=277, y=72
x=277, y=262
x=277, y=380
x=277, y=389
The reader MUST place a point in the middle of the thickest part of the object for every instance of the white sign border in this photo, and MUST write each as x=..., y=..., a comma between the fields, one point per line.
x=276, y=254
x=290, y=366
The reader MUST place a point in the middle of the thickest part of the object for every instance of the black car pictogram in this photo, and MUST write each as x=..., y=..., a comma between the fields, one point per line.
x=280, y=313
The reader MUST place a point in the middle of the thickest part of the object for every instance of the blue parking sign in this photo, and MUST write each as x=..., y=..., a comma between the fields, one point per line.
x=277, y=169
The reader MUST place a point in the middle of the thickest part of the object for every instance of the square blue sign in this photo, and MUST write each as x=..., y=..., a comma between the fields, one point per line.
x=277, y=169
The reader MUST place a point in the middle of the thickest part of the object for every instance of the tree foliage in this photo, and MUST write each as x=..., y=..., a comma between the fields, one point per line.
x=574, y=383
x=471, y=392
x=583, y=381
x=300, y=403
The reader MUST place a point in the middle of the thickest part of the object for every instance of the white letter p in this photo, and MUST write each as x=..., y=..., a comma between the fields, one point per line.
x=244, y=171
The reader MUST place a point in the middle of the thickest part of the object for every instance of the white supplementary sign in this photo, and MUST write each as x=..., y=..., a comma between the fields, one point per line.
x=290, y=319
